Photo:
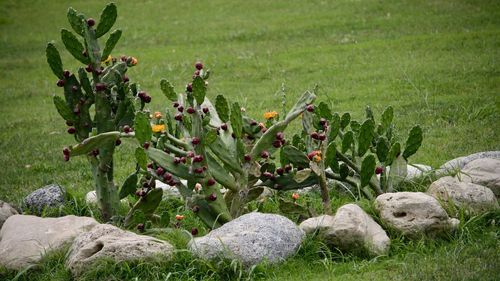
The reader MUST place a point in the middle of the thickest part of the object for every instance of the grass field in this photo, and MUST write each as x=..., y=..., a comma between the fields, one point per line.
x=436, y=62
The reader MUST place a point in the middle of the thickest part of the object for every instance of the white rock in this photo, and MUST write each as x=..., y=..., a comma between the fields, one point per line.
x=91, y=198
x=251, y=238
x=460, y=162
x=168, y=191
x=474, y=197
x=25, y=239
x=414, y=213
x=485, y=172
x=6, y=211
x=352, y=229
x=414, y=171
x=108, y=241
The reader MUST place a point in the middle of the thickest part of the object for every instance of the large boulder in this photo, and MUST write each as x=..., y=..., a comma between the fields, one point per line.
x=460, y=162
x=352, y=229
x=251, y=238
x=474, y=197
x=108, y=241
x=25, y=239
x=48, y=196
x=6, y=211
x=485, y=172
x=414, y=214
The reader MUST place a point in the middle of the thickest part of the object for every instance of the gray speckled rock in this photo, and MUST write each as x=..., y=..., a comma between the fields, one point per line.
x=51, y=195
x=474, y=197
x=460, y=162
x=25, y=239
x=352, y=229
x=108, y=241
x=485, y=172
x=6, y=211
x=414, y=214
x=251, y=238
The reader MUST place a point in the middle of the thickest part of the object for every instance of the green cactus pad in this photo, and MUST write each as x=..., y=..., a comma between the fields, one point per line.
x=141, y=158
x=295, y=156
x=393, y=152
x=334, y=126
x=150, y=202
x=236, y=120
x=76, y=21
x=382, y=148
x=222, y=108
x=343, y=170
x=142, y=128
x=93, y=143
x=365, y=136
x=63, y=109
x=54, y=60
x=347, y=141
x=166, y=161
x=111, y=43
x=168, y=90
x=345, y=120
x=85, y=82
x=324, y=111
x=199, y=89
x=387, y=117
x=129, y=186
x=413, y=142
x=220, y=174
x=73, y=45
x=367, y=169
x=331, y=157
x=107, y=19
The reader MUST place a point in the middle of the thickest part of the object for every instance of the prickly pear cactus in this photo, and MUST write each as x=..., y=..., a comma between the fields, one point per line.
x=214, y=153
x=101, y=83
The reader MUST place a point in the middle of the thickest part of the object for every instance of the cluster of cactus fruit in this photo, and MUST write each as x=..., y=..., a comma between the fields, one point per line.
x=108, y=90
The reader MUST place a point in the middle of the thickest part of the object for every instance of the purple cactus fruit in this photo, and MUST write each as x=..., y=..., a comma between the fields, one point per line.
x=268, y=175
x=180, y=108
x=95, y=152
x=172, y=182
x=175, y=104
x=183, y=159
x=150, y=166
x=146, y=145
x=195, y=141
x=89, y=68
x=98, y=71
x=190, y=154
x=125, y=79
x=322, y=121
x=212, y=197
x=198, y=158
x=90, y=22
x=247, y=158
x=206, y=110
x=196, y=73
x=177, y=160
x=145, y=184
x=194, y=231
x=264, y=154
x=118, y=142
x=60, y=83
x=195, y=209
x=322, y=137
x=71, y=130
x=315, y=135
x=147, y=99
x=198, y=65
x=100, y=86
x=167, y=177
x=66, y=158
x=277, y=143
x=253, y=123
x=66, y=73
x=178, y=117
x=126, y=129
x=160, y=171
x=288, y=168
x=210, y=182
x=280, y=171
x=280, y=136
x=190, y=110
x=198, y=170
x=379, y=170
x=76, y=110
x=66, y=151
x=189, y=87
x=310, y=108
x=223, y=126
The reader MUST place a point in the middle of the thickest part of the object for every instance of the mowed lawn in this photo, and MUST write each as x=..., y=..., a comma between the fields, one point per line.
x=436, y=62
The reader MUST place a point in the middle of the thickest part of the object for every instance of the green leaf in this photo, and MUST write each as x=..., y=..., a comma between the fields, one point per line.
x=236, y=120
x=73, y=45
x=94, y=142
x=331, y=157
x=413, y=142
x=382, y=148
x=334, y=126
x=348, y=141
x=343, y=170
x=222, y=108
x=168, y=90
x=142, y=128
x=393, y=153
x=129, y=186
x=387, y=117
x=166, y=161
x=76, y=21
x=324, y=111
x=141, y=158
x=63, y=109
x=295, y=156
x=108, y=18
x=367, y=169
x=150, y=202
x=54, y=60
x=345, y=120
x=365, y=136
x=199, y=90
x=111, y=43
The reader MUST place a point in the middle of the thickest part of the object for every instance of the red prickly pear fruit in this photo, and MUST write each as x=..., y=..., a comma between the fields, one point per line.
x=126, y=129
x=196, y=73
x=180, y=108
x=160, y=171
x=253, y=123
x=66, y=73
x=315, y=135
x=150, y=166
x=118, y=142
x=322, y=137
x=190, y=110
x=125, y=79
x=288, y=168
x=322, y=121
x=205, y=110
x=69, y=123
x=183, y=160
x=146, y=145
x=212, y=197
x=90, y=22
x=100, y=86
x=66, y=158
x=178, y=117
x=268, y=175
x=147, y=99
x=195, y=209
x=98, y=71
x=71, y=130
x=280, y=171
x=195, y=141
x=210, y=182
x=264, y=154
x=95, y=152
x=277, y=143
x=141, y=227
x=379, y=170
x=310, y=108
x=171, y=182
x=199, y=66
x=89, y=68
x=167, y=177
x=60, y=83
x=204, y=168
x=198, y=170
x=189, y=87
x=190, y=154
x=177, y=160
x=66, y=151
x=280, y=136
x=198, y=158
x=194, y=231
x=175, y=104
x=247, y=158
x=223, y=126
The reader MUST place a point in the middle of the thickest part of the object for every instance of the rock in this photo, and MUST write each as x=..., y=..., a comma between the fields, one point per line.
x=91, y=198
x=108, y=241
x=460, y=162
x=485, y=172
x=51, y=195
x=168, y=191
x=413, y=171
x=414, y=214
x=352, y=229
x=474, y=197
x=25, y=239
x=251, y=238
x=6, y=211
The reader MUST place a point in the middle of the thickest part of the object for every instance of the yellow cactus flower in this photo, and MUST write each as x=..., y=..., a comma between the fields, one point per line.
x=157, y=115
x=158, y=128
x=270, y=114
x=108, y=59
x=179, y=217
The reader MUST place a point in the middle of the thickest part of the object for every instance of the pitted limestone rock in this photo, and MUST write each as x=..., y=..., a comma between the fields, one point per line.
x=6, y=211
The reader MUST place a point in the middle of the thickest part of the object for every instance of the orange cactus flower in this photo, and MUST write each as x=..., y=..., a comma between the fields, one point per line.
x=134, y=61
x=295, y=196
x=314, y=156
x=158, y=128
x=179, y=217
x=270, y=114
x=157, y=115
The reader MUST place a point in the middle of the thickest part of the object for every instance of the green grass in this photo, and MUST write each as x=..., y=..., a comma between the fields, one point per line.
x=435, y=62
